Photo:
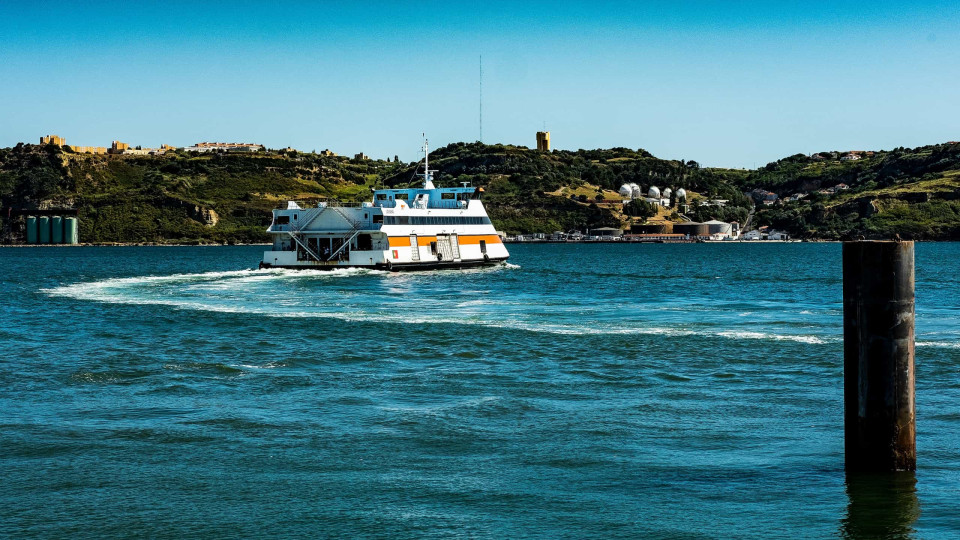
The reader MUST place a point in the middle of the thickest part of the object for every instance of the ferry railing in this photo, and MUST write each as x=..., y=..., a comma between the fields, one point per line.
x=453, y=204
x=304, y=205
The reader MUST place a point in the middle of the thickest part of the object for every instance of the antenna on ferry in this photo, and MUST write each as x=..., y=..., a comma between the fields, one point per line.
x=427, y=180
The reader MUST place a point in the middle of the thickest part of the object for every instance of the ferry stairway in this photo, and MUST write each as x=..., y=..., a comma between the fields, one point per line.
x=355, y=228
x=294, y=232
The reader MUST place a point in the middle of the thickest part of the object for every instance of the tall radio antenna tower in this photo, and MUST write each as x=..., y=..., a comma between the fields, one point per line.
x=481, y=98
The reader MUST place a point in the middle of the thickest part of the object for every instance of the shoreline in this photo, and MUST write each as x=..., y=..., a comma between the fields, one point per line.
x=130, y=244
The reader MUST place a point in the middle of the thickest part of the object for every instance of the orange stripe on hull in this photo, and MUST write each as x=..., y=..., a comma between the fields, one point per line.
x=476, y=238
x=465, y=240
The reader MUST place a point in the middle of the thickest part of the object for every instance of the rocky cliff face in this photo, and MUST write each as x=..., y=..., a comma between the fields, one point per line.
x=207, y=216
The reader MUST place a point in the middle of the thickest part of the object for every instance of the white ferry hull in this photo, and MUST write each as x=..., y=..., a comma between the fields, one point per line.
x=389, y=266
x=432, y=252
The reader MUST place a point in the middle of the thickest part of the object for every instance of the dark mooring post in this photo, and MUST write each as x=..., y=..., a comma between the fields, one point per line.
x=878, y=385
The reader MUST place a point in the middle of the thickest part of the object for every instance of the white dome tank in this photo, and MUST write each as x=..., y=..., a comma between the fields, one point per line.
x=626, y=190
x=666, y=193
x=636, y=192
x=681, y=193
x=654, y=192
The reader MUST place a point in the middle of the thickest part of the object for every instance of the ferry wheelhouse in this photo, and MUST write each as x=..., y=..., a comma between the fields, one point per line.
x=400, y=229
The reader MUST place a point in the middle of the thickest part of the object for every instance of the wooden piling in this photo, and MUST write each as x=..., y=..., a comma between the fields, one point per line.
x=878, y=349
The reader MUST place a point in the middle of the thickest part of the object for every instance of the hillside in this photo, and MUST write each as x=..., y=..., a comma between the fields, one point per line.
x=177, y=197
x=187, y=197
x=911, y=192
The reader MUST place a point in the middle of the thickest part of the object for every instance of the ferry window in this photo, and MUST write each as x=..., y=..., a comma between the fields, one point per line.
x=402, y=196
x=295, y=217
x=448, y=195
x=378, y=218
x=403, y=220
x=282, y=220
x=364, y=242
x=381, y=196
x=433, y=248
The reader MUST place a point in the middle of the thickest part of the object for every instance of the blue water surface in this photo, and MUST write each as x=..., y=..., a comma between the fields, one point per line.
x=582, y=391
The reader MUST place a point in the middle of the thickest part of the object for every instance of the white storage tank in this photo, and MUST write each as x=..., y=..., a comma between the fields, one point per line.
x=654, y=192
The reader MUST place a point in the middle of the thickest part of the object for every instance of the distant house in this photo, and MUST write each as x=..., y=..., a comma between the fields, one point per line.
x=224, y=147
x=850, y=157
x=777, y=235
x=716, y=202
x=758, y=195
x=818, y=157
x=752, y=235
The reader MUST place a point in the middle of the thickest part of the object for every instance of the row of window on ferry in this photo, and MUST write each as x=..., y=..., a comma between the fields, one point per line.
x=436, y=220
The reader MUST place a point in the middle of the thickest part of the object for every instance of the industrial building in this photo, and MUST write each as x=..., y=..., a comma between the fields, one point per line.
x=652, y=228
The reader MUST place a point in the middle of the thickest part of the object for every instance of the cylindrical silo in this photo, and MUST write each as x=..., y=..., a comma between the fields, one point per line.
x=70, y=230
x=56, y=230
x=31, y=230
x=43, y=230
x=693, y=229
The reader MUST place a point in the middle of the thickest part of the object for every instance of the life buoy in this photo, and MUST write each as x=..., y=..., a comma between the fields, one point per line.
x=439, y=256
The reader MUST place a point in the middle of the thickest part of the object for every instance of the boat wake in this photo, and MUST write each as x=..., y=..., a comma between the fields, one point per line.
x=376, y=296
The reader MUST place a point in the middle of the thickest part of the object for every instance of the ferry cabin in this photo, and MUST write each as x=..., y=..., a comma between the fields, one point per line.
x=417, y=228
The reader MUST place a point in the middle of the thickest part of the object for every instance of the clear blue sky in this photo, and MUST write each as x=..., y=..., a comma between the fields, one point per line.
x=726, y=83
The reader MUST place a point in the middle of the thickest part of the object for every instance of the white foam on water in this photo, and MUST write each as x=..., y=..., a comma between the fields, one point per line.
x=939, y=344
x=739, y=334
x=199, y=292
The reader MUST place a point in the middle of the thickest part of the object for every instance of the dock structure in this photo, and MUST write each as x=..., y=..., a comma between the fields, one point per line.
x=878, y=352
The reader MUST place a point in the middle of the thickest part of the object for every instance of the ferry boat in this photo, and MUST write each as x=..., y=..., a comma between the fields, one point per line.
x=400, y=229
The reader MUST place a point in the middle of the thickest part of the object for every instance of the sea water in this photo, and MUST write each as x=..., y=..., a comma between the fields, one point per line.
x=579, y=391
